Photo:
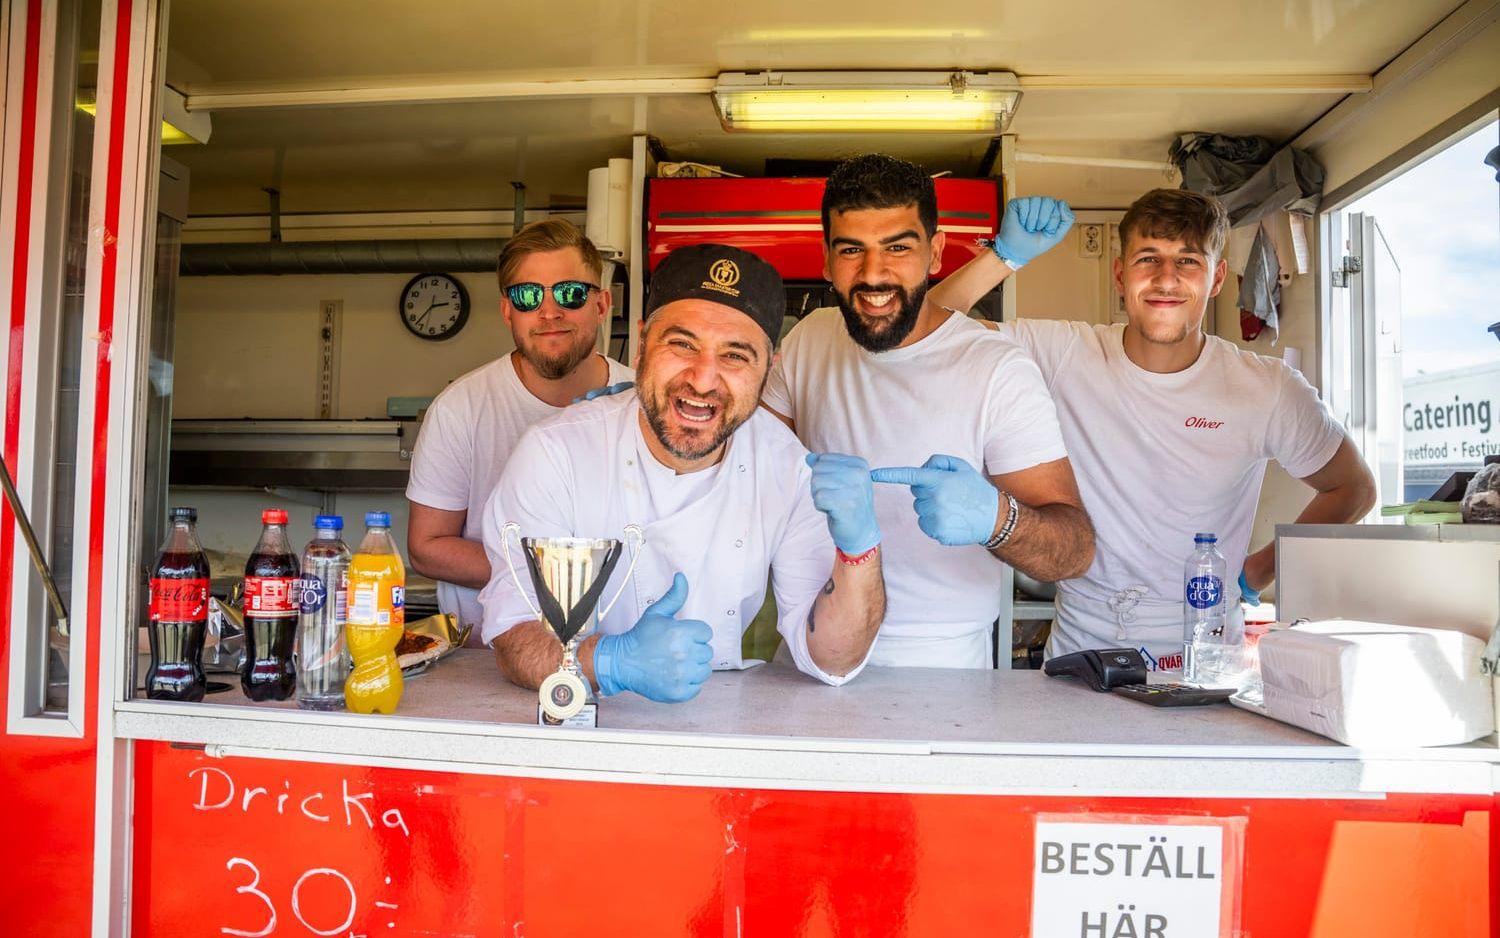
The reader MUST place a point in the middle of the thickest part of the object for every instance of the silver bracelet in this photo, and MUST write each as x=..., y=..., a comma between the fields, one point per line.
x=1012, y=513
x=995, y=250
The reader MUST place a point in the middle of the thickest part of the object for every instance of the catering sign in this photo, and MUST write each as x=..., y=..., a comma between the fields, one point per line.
x=1136, y=876
x=1449, y=417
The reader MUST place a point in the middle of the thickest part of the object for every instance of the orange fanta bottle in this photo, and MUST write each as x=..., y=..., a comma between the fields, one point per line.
x=377, y=618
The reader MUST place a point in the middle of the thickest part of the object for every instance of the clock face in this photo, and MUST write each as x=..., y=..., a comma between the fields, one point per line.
x=434, y=306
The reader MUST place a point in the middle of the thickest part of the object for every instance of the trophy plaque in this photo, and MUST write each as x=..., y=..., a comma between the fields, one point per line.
x=568, y=575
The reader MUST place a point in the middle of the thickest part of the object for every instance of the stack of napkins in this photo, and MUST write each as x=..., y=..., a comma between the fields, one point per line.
x=1370, y=684
x=1425, y=511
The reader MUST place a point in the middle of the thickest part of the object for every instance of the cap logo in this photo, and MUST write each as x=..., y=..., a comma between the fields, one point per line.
x=725, y=272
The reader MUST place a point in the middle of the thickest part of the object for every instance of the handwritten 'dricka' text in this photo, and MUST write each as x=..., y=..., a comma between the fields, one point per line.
x=217, y=791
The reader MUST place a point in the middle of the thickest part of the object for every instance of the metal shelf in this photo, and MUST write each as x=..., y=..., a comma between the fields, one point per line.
x=312, y=454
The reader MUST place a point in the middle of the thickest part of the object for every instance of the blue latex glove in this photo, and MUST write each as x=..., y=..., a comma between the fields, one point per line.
x=841, y=490
x=605, y=391
x=1247, y=592
x=1031, y=227
x=662, y=658
x=955, y=503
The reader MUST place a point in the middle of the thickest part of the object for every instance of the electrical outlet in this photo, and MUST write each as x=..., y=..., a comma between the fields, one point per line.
x=1090, y=240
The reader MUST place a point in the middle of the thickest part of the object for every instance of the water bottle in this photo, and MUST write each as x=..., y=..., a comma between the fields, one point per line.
x=1212, y=645
x=323, y=608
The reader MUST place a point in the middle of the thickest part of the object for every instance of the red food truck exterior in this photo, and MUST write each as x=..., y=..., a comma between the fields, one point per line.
x=110, y=835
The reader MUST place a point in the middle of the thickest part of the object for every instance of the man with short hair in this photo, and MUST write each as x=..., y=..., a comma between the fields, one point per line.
x=554, y=303
x=944, y=407
x=724, y=493
x=1170, y=427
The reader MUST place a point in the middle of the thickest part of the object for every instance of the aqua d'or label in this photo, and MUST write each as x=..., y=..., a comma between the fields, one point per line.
x=1205, y=592
x=312, y=593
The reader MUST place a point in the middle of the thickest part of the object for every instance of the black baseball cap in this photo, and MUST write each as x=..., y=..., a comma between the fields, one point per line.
x=721, y=274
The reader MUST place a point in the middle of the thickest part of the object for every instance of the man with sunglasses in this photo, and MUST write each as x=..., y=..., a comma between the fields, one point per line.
x=724, y=493
x=554, y=304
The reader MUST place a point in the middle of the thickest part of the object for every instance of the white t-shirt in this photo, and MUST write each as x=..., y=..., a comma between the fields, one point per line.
x=466, y=437
x=589, y=473
x=962, y=391
x=1158, y=458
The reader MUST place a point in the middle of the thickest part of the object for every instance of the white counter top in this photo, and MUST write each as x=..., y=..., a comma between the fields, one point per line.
x=913, y=729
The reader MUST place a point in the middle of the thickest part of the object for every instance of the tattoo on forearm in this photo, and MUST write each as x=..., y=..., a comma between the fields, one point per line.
x=812, y=617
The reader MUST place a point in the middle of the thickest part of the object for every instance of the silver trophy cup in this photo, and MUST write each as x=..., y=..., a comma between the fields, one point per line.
x=568, y=575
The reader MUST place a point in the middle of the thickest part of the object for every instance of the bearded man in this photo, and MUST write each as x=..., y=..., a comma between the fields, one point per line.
x=554, y=304
x=723, y=492
x=940, y=405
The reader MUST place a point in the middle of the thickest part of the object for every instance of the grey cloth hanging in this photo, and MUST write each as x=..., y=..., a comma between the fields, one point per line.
x=1252, y=178
x=1260, y=286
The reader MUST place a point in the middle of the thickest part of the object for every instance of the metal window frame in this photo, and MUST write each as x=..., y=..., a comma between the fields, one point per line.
x=1332, y=231
x=37, y=437
x=136, y=110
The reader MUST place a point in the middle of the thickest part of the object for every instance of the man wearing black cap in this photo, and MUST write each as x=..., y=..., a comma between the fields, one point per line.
x=724, y=494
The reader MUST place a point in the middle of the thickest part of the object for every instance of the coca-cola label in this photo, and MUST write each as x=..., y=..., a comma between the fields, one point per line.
x=312, y=593
x=271, y=597
x=179, y=600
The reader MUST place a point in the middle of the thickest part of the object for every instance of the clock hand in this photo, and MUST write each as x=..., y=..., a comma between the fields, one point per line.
x=418, y=321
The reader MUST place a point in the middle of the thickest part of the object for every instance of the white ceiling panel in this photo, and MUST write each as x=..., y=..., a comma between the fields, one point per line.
x=452, y=155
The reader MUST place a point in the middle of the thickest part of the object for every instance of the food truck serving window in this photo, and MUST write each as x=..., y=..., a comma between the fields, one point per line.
x=45, y=432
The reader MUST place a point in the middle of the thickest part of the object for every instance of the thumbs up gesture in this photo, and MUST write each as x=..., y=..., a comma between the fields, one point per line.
x=662, y=657
x=955, y=503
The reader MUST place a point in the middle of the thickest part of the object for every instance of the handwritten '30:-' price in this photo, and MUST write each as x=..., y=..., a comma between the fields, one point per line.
x=267, y=925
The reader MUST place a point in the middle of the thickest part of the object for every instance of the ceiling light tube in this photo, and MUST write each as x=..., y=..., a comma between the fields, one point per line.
x=853, y=102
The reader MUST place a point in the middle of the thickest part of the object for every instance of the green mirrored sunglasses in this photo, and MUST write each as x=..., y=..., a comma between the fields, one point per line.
x=569, y=294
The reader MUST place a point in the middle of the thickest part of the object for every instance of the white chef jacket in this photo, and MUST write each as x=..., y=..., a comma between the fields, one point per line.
x=466, y=437
x=588, y=473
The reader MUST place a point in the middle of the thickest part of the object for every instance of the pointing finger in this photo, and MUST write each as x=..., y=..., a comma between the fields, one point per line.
x=906, y=475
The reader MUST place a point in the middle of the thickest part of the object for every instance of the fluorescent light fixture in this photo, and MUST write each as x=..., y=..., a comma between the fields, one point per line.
x=794, y=102
x=177, y=124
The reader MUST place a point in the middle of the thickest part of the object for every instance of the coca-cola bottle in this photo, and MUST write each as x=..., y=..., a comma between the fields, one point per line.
x=270, y=613
x=178, y=612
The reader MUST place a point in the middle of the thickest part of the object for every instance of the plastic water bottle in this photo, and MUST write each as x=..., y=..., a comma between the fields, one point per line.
x=322, y=602
x=377, y=616
x=1213, y=646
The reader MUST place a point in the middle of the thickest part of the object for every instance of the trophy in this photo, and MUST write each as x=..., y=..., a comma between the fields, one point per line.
x=569, y=575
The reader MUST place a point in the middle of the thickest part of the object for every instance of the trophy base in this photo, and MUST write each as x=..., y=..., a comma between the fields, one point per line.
x=588, y=717
x=564, y=696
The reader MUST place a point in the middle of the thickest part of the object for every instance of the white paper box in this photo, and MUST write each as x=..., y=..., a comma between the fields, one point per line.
x=1375, y=685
